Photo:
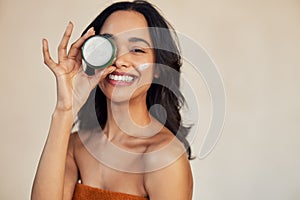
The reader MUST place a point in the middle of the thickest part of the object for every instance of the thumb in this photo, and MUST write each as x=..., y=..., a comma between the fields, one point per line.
x=100, y=75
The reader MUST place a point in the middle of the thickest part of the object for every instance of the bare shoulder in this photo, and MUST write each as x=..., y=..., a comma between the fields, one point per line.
x=76, y=146
x=174, y=181
x=77, y=140
x=165, y=148
x=73, y=138
x=72, y=142
x=168, y=169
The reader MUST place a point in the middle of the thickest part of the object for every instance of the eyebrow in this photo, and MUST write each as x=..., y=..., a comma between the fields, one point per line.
x=136, y=39
x=132, y=39
x=107, y=35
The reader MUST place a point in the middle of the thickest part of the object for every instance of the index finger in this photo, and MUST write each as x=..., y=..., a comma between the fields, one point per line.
x=76, y=46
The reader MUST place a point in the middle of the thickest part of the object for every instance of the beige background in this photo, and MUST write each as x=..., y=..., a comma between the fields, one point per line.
x=256, y=45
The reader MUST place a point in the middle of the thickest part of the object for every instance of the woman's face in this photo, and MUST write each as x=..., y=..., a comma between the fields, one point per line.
x=135, y=57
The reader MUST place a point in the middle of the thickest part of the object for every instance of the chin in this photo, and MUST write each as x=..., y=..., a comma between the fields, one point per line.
x=124, y=94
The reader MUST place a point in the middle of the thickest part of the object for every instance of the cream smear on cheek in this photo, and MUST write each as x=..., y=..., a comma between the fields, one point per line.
x=143, y=67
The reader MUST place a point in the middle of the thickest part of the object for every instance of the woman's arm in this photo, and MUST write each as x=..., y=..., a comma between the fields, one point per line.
x=71, y=170
x=174, y=182
x=73, y=88
x=49, y=179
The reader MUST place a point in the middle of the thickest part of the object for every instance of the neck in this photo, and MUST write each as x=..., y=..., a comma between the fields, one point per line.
x=124, y=117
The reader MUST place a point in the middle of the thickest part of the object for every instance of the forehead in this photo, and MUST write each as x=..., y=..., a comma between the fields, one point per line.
x=126, y=23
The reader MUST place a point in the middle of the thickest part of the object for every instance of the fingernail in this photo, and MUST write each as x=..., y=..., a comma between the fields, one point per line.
x=90, y=30
x=44, y=41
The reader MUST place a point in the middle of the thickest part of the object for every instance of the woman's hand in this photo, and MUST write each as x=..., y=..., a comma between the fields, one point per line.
x=73, y=84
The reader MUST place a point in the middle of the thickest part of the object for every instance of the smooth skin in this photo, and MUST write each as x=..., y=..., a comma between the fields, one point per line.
x=64, y=154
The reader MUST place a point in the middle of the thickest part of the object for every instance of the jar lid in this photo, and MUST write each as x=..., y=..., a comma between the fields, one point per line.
x=98, y=52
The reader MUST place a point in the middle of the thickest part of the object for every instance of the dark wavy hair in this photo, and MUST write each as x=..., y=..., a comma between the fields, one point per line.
x=167, y=54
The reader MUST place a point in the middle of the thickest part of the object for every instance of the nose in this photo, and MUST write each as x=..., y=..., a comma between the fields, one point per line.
x=122, y=58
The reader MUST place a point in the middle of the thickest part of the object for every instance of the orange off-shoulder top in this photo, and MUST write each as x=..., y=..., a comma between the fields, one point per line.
x=85, y=192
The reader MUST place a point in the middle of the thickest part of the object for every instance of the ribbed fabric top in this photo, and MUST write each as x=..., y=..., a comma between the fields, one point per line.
x=85, y=192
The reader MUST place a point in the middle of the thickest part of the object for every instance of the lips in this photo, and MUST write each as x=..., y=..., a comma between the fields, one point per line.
x=121, y=79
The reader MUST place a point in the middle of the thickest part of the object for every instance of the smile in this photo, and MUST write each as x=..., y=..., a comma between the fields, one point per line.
x=121, y=79
x=124, y=78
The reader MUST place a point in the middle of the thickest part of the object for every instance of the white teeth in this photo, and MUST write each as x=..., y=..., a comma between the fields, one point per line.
x=120, y=78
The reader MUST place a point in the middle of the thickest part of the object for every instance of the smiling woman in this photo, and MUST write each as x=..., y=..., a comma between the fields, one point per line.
x=133, y=150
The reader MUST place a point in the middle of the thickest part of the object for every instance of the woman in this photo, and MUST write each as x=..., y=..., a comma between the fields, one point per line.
x=127, y=86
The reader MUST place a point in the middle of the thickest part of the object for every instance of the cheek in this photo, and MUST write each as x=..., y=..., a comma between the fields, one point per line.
x=147, y=73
